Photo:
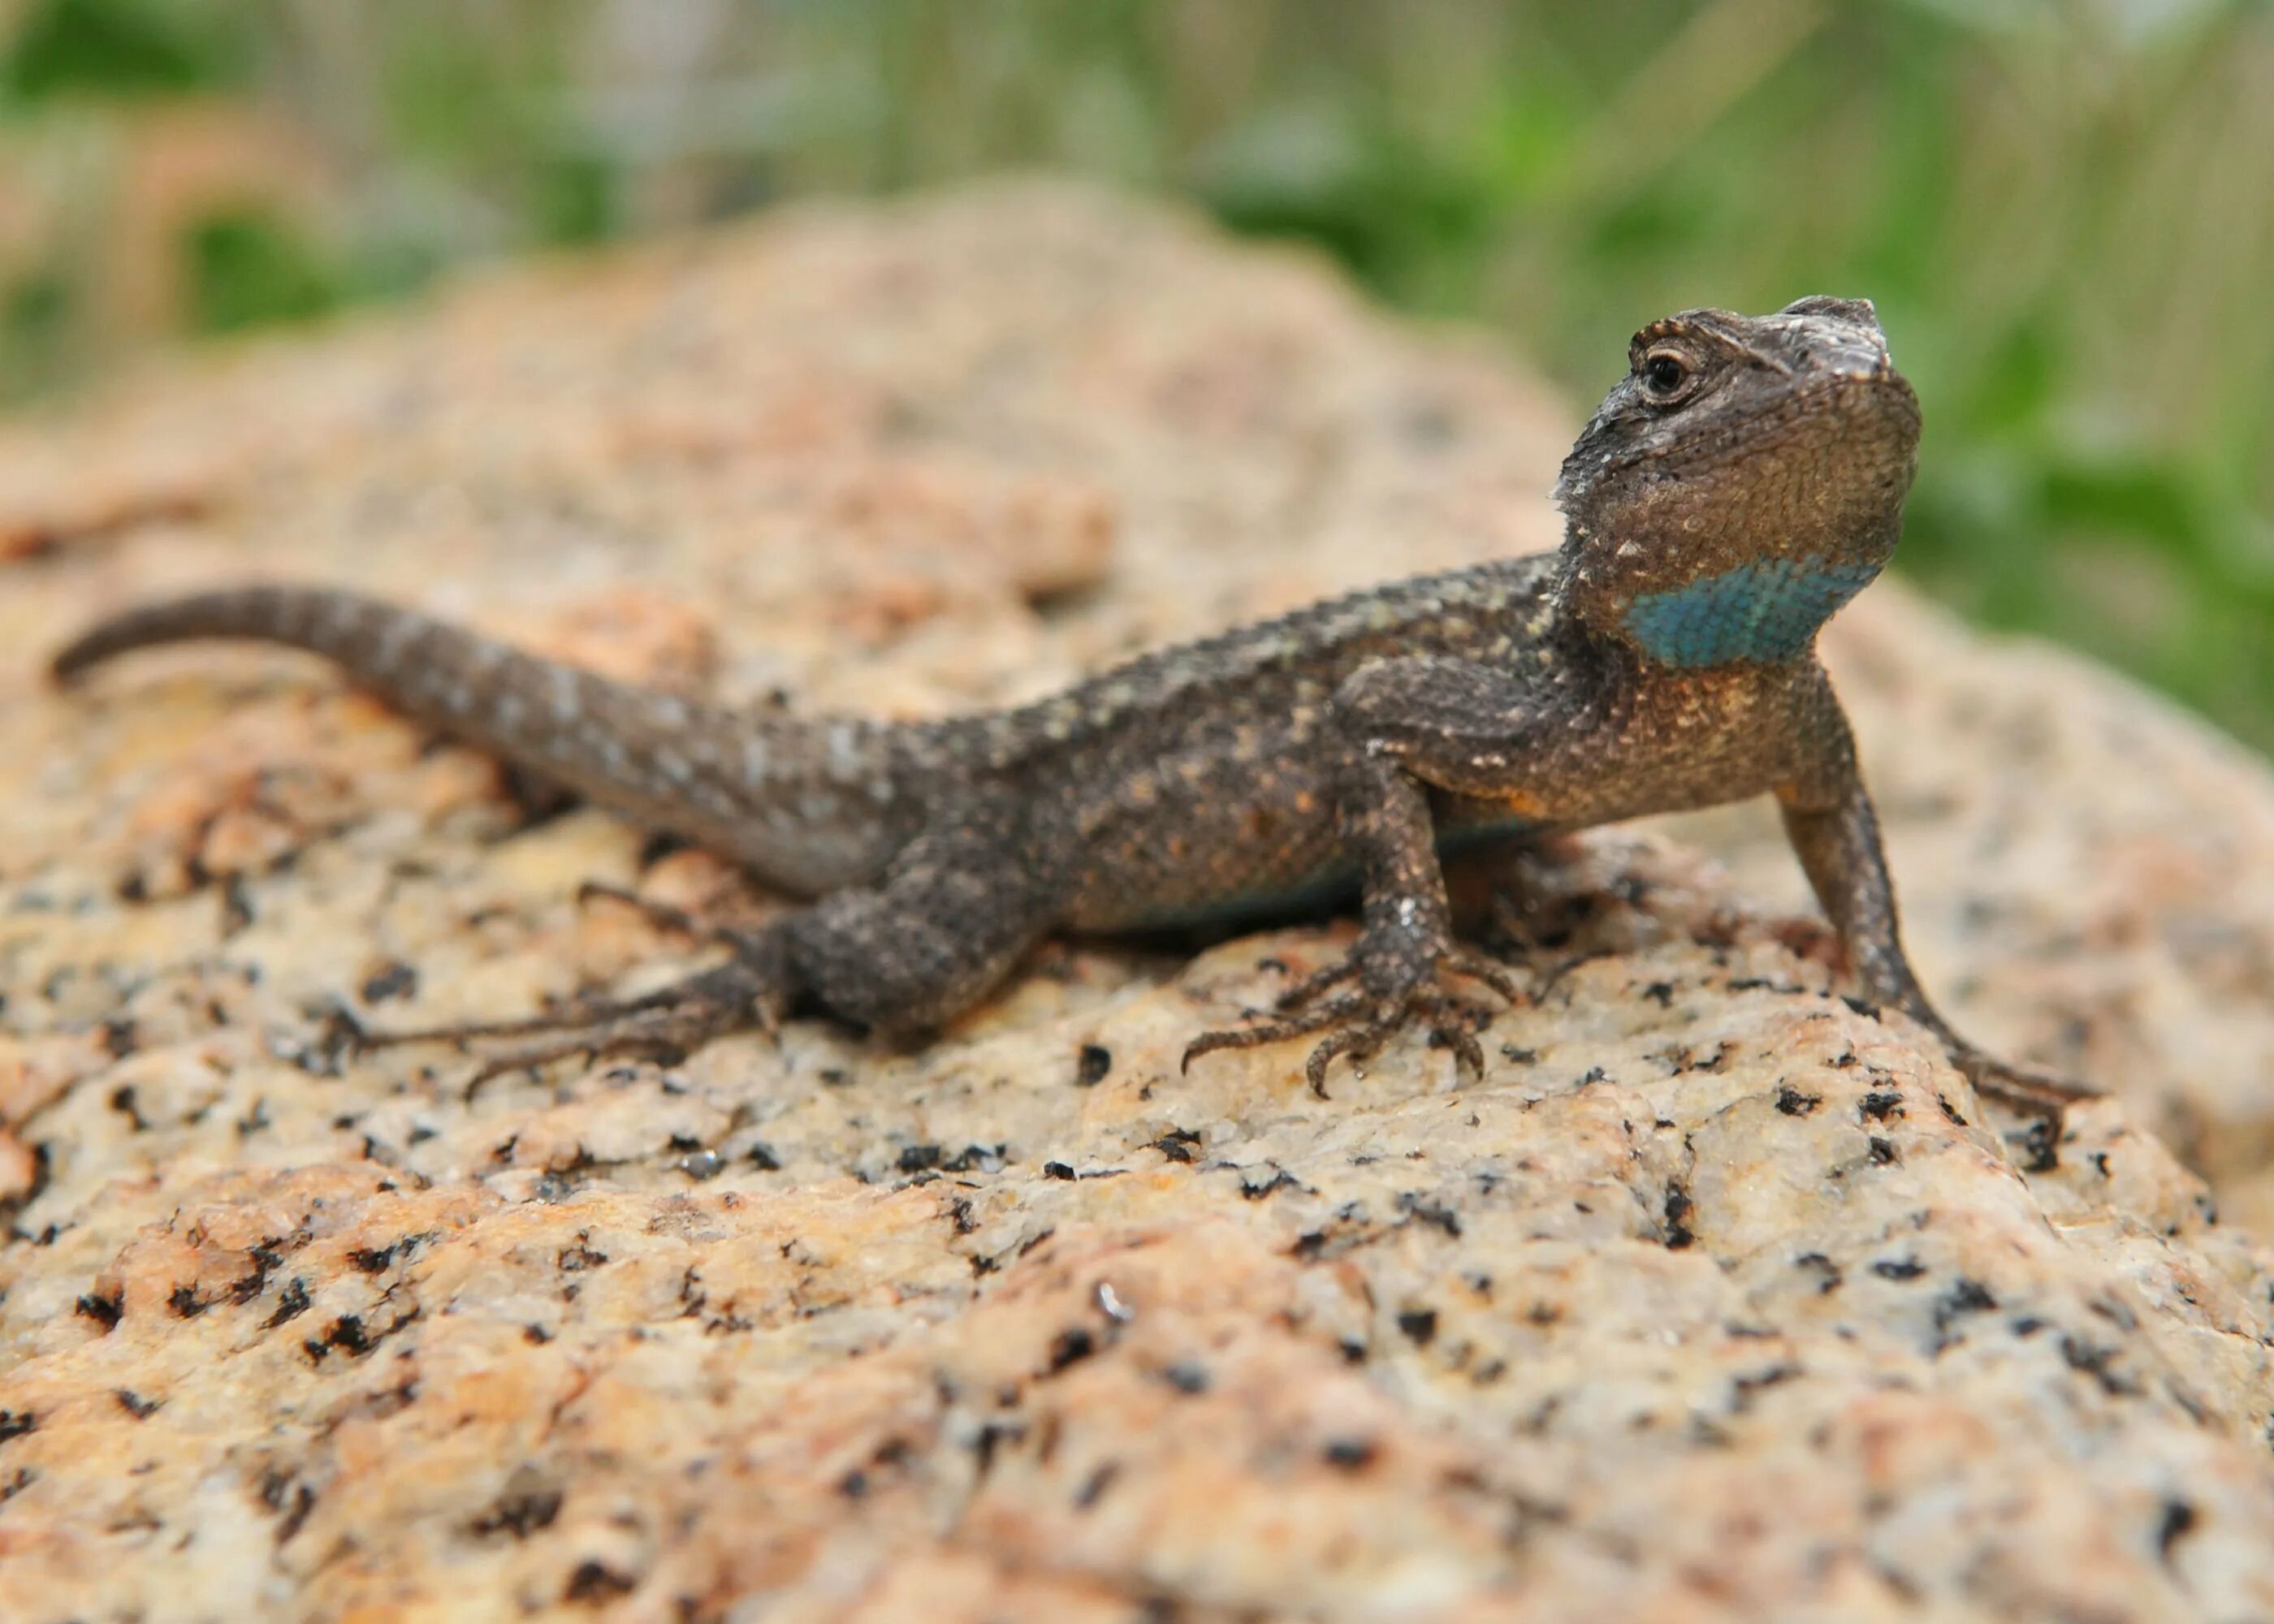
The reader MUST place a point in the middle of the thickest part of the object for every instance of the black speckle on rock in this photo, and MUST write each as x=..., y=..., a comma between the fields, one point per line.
x=528, y=1504
x=1093, y=1489
x=16, y=1424
x=1862, y=1006
x=596, y=1582
x=393, y=979
x=578, y=1256
x=1419, y=1324
x=1280, y=1179
x=1425, y=1210
x=1057, y=1169
x=1072, y=1346
x=134, y=1404
x=352, y=1337
x=1093, y=1065
x=373, y=1260
x=120, y=1038
x=1351, y=1454
x=1792, y=1103
x=2041, y=1148
x=1742, y=1388
x=294, y=1501
x=1177, y=1143
x=237, y=909
x=265, y=1261
x=1879, y=1105
x=762, y=1157
x=123, y=1102
x=185, y=1301
x=919, y=1158
x=104, y=1311
x=1899, y=1268
x=1186, y=1377
x=291, y=1303
x=2098, y=1362
x=1678, y=1208
x=1883, y=1152
x=1825, y=1267
x=2178, y=1516
x=346, y=1333
x=1967, y=1296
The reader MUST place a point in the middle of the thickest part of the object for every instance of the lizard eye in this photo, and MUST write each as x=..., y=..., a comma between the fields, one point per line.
x=1664, y=374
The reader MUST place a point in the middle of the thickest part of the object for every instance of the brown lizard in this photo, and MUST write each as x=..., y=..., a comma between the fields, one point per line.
x=1741, y=482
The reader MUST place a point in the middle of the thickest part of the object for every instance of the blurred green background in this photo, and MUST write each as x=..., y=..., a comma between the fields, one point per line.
x=2065, y=209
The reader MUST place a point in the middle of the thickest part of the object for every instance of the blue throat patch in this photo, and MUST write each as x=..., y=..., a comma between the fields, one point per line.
x=1764, y=611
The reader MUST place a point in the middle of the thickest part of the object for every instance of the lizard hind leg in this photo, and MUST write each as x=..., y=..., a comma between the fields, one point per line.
x=751, y=989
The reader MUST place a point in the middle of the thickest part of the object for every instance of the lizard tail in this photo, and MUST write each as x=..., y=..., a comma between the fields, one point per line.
x=802, y=801
x=270, y=614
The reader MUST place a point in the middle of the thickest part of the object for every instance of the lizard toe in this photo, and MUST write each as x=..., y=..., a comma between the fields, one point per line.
x=1308, y=989
x=2021, y=1088
x=1346, y=1008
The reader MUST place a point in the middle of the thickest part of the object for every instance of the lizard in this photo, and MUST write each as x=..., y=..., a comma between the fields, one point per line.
x=1741, y=482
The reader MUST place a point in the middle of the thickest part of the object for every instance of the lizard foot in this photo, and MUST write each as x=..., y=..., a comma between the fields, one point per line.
x=665, y=1025
x=1360, y=1021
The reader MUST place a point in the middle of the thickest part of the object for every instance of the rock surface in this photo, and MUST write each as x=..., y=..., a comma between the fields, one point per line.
x=1717, y=1298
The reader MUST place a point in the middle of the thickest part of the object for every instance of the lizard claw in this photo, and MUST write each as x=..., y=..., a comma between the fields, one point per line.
x=1360, y=1021
x=665, y=1025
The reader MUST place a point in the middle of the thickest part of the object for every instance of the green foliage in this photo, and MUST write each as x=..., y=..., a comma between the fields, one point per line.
x=573, y=199
x=2062, y=212
x=114, y=48
x=246, y=267
x=34, y=324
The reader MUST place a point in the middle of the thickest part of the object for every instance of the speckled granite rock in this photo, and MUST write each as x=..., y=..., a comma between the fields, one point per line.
x=1717, y=1298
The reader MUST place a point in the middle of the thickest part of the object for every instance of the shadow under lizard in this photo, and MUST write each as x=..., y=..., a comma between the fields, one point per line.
x=1741, y=483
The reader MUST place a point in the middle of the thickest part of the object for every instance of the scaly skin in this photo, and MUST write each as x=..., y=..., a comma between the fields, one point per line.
x=1745, y=480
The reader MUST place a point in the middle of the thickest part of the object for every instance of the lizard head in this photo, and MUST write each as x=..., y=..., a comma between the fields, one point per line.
x=1741, y=483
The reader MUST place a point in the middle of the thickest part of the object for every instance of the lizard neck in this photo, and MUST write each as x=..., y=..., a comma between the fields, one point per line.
x=1683, y=589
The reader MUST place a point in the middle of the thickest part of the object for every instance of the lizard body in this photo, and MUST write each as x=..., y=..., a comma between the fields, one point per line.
x=1745, y=480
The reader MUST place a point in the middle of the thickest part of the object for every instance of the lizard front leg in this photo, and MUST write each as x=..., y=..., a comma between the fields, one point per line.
x=1835, y=833
x=1382, y=811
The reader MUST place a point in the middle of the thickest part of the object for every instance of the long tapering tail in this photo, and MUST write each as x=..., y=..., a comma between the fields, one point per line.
x=809, y=804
